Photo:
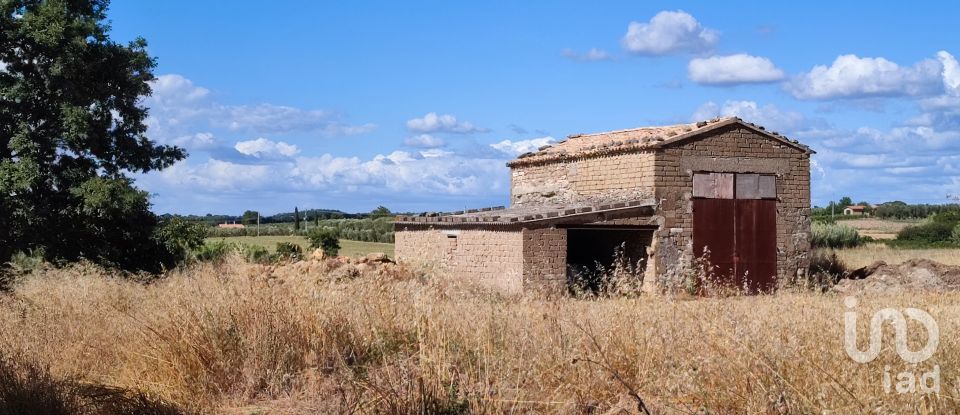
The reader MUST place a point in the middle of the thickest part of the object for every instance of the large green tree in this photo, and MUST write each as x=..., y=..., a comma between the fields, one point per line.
x=71, y=131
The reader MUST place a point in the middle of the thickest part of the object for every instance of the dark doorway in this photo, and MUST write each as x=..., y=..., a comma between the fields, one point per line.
x=591, y=252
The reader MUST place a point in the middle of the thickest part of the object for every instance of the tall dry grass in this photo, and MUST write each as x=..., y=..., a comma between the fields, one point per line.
x=236, y=336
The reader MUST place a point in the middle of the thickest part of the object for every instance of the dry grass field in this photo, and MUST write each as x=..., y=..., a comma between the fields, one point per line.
x=241, y=338
x=867, y=254
x=878, y=228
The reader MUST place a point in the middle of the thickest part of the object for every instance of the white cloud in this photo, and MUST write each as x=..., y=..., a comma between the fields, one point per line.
x=768, y=115
x=591, y=55
x=173, y=89
x=446, y=123
x=263, y=148
x=197, y=141
x=217, y=176
x=178, y=108
x=436, y=152
x=424, y=141
x=951, y=72
x=733, y=69
x=514, y=148
x=668, y=32
x=3, y=66
x=851, y=76
x=399, y=171
x=268, y=118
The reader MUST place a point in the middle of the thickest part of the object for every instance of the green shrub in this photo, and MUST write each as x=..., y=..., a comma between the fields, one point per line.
x=289, y=251
x=255, y=253
x=213, y=251
x=326, y=239
x=181, y=237
x=832, y=235
x=939, y=229
x=218, y=250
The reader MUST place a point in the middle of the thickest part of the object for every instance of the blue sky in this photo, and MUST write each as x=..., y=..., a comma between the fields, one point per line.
x=417, y=106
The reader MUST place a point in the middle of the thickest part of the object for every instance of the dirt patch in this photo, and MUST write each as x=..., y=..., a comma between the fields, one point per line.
x=912, y=275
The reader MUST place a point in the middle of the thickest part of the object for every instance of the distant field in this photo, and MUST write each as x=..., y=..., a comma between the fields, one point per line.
x=347, y=247
x=878, y=228
x=870, y=253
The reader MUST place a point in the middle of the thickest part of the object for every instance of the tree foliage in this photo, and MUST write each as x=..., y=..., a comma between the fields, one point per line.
x=326, y=239
x=380, y=212
x=71, y=130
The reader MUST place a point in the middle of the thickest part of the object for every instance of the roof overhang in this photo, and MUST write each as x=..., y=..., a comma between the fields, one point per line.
x=535, y=216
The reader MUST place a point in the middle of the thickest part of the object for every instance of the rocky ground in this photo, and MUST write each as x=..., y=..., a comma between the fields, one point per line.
x=913, y=275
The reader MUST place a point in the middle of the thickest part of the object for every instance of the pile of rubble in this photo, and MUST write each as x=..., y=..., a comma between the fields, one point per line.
x=339, y=268
x=913, y=275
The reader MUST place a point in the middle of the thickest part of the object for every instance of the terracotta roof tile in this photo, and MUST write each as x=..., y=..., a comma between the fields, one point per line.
x=583, y=145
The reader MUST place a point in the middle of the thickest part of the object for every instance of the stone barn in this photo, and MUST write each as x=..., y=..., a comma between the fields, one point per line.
x=723, y=189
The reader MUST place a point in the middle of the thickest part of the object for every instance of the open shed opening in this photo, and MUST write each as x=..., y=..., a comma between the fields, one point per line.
x=595, y=253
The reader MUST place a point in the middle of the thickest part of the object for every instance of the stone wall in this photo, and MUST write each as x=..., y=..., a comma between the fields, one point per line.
x=545, y=260
x=733, y=149
x=613, y=175
x=493, y=259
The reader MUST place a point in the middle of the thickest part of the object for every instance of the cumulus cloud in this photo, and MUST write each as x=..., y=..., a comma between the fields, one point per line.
x=733, y=69
x=591, y=55
x=514, y=148
x=268, y=119
x=446, y=123
x=412, y=173
x=668, y=32
x=424, y=141
x=216, y=176
x=769, y=116
x=175, y=89
x=197, y=141
x=951, y=72
x=178, y=107
x=851, y=76
x=263, y=148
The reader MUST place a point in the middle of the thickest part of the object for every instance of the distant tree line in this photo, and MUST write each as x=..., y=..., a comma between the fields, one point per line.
x=901, y=210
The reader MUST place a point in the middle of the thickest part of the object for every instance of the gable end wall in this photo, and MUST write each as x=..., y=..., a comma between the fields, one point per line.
x=738, y=150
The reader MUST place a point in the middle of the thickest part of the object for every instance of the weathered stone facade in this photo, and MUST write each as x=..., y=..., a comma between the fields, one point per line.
x=528, y=251
x=734, y=149
x=597, y=177
x=490, y=258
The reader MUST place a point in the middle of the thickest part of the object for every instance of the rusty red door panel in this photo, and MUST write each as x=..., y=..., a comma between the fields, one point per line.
x=714, y=229
x=756, y=244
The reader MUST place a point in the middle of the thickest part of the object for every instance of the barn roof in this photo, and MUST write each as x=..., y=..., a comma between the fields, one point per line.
x=529, y=214
x=643, y=138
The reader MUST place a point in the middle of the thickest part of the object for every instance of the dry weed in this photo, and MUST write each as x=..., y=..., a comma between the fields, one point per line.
x=290, y=338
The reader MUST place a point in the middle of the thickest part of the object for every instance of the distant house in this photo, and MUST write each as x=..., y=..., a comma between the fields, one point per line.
x=231, y=225
x=858, y=210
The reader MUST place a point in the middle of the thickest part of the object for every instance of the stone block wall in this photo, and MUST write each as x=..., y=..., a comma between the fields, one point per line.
x=545, y=260
x=560, y=182
x=493, y=259
x=735, y=150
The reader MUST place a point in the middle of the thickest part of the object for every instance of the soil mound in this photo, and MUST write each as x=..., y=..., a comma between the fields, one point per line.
x=912, y=275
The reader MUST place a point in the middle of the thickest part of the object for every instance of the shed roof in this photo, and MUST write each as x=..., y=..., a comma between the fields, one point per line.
x=541, y=213
x=643, y=138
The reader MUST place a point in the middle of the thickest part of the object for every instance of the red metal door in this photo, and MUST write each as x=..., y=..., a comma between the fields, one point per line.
x=756, y=244
x=741, y=236
x=714, y=231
